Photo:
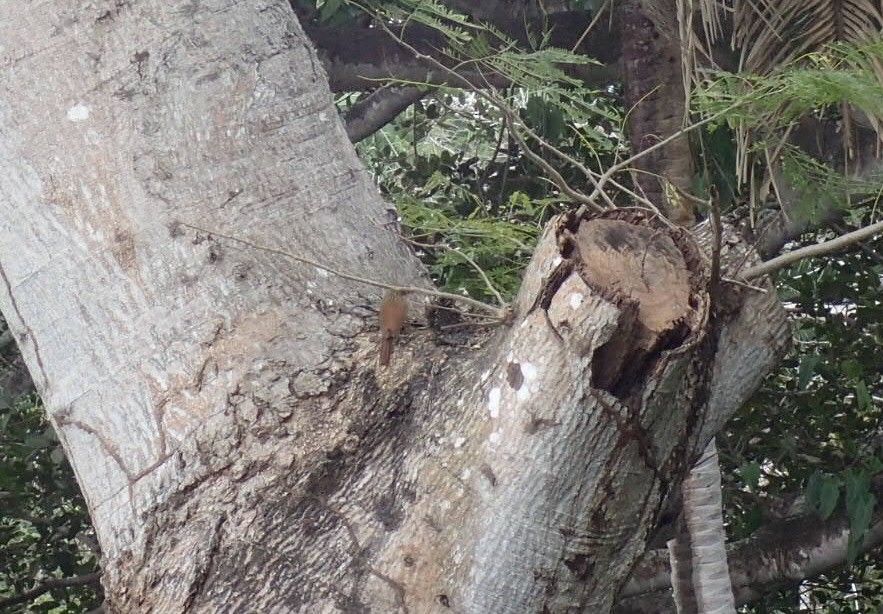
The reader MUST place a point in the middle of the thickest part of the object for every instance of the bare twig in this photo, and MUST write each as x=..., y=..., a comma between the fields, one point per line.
x=591, y=175
x=556, y=177
x=810, y=251
x=496, y=311
x=743, y=284
x=511, y=116
x=487, y=282
x=604, y=178
x=716, y=231
x=591, y=25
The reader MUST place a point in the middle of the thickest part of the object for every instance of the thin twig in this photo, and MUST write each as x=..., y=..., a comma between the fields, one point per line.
x=487, y=282
x=482, y=180
x=556, y=177
x=743, y=284
x=590, y=175
x=810, y=251
x=716, y=232
x=510, y=113
x=605, y=177
x=591, y=25
x=496, y=311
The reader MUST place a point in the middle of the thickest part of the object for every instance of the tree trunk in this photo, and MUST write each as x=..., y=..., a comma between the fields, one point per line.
x=222, y=406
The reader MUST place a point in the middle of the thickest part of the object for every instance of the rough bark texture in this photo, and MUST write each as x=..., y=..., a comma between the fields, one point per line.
x=237, y=445
x=654, y=89
x=140, y=331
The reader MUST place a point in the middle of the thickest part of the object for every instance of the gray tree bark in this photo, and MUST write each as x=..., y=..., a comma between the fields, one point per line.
x=221, y=405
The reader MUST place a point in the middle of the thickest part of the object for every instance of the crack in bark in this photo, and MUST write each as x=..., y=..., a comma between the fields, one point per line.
x=631, y=429
x=357, y=553
x=28, y=334
x=204, y=567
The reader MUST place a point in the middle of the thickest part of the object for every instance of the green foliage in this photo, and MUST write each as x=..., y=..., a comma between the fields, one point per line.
x=463, y=188
x=822, y=494
x=860, y=503
x=458, y=180
x=816, y=424
x=820, y=188
x=43, y=518
x=812, y=82
x=539, y=70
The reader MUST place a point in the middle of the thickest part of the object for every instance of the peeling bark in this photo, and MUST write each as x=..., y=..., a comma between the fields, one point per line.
x=700, y=576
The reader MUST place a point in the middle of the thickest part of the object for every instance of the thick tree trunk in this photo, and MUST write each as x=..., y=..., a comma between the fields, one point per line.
x=239, y=448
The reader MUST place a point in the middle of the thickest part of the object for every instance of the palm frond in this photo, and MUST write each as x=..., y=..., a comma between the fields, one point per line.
x=770, y=33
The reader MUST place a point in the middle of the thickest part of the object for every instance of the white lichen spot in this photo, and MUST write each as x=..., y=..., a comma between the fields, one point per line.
x=321, y=272
x=78, y=113
x=460, y=403
x=556, y=261
x=444, y=504
x=493, y=401
x=529, y=371
x=523, y=393
x=459, y=441
x=485, y=375
x=494, y=438
x=467, y=473
x=576, y=299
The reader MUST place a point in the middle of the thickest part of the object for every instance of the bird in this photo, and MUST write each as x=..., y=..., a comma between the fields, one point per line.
x=393, y=313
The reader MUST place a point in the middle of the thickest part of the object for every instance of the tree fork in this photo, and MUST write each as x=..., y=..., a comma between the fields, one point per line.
x=519, y=491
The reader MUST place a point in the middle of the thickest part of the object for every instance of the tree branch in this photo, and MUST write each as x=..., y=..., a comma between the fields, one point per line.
x=785, y=551
x=497, y=312
x=358, y=57
x=48, y=585
x=810, y=251
x=378, y=109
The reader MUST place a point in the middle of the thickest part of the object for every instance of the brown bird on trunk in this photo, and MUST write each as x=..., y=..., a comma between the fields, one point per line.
x=393, y=313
